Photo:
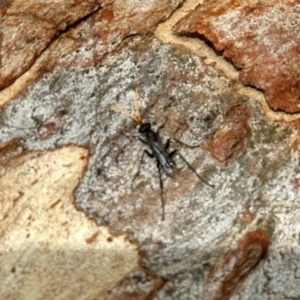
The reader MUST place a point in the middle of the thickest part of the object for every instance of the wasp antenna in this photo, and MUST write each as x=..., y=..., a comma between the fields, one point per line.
x=137, y=119
x=137, y=106
x=124, y=112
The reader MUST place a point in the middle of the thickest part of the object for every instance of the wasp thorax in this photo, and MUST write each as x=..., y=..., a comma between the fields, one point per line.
x=144, y=128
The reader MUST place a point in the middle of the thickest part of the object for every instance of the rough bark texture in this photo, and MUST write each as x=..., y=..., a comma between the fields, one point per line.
x=27, y=28
x=261, y=38
x=74, y=225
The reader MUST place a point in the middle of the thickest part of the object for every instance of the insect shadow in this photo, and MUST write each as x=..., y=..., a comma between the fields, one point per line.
x=159, y=151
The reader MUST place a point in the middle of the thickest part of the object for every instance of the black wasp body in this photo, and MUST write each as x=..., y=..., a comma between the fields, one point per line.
x=159, y=151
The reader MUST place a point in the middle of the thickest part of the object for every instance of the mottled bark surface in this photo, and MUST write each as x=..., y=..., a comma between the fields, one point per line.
x=74, y=223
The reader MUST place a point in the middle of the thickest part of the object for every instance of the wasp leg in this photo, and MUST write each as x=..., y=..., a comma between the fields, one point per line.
x=141, y=162
x=167, y=146
x=161, y=184
x=144, y=142
x=137, y=137
x=190, y=167
x=180, y=143
x=184, y=144
x=161, y=126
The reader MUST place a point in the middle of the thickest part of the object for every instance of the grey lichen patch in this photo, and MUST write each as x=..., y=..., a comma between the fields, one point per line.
x=175, y=86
